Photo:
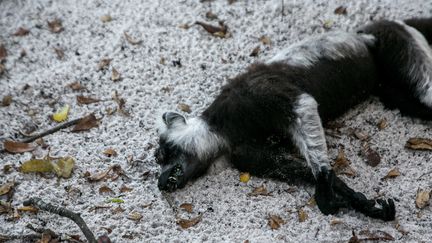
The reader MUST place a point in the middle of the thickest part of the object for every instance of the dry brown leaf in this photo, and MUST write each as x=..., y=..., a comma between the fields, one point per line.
x=341, y=164
x=419, y=143
x=104, y=63
x=219, y=31
x=131, y=40
x=392, y=173
x=7, y=100
x=110, y=152
x=30, y=209
x=106, y=18
x=182, y=26
x=115, y=75
x=59, y=52
x=377, y=235
x=124, y=189
x=134, y=216
x=98, y=176
x=5, y=207
x=341, y=10
x=211, y=16
x=184, y=107
x=188, y=207
x=311, y=202
x=117, y=210
x=259, y=191
x=275, y=222
x=187, y=223
x=17, y=147
x=105, y=189
x=83, y=100
x=265, y=40
x=120, y=103
x=55, y=26
x=382, y=124
x=422, y=198
x=302, y=215
x=372, y=157
x=335, y=221
x=360, y=135
x=6, y=188
x=76, y=86
x=86, y=123
x=255, y=52
x=3, y=53
x=21, y=32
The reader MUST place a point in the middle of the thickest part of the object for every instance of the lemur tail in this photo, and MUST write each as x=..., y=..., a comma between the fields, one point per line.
x=404, y=62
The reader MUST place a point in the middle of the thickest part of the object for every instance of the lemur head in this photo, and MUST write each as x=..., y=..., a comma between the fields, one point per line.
x=186, y=149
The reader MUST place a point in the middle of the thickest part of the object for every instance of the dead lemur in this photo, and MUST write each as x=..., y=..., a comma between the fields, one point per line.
x=276, y=109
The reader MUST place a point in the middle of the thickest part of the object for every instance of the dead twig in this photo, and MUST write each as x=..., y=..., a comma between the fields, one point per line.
x=37, y=202
x=22, y=238
x=51, y=131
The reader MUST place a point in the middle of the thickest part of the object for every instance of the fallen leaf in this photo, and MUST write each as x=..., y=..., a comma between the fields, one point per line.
x=360, y=135
x=115, y=75
x=131, y=40
x=99, y=176
x=183, y=26
x=187, y=207
x=378, y=235
x=7, y=169
x=62, y=114
x=105, y=189
x=218, y=31
x=21, y=32
x=244, y=177
x=124, y=189
x=134, y=216
x=6, y=188
x=59, y=52
x=64, y=166
x=211, y=16
x=422, y=198
x=255, y=52
x=392, y=173
x=311, y=202
x=106, y=18
x=120, y=103
x=36, y=165
x=7, y=100
x=382, y=124
x=110, y=152
x=86, y=123
x=76, y=86
x=328, y=24
x=17, y=147
x=187, y=223
x=3, y=53
x=55, y=26
x=115, y=200
x=104, y=63
x=265, y=40
x=275, y=222
x=6, y=207
x=117, y=210
x=30, y=209
x=419, y=143
x=259, y=191
x=302, y=215
x=335, y=221
x=83, y=100
x=341, y=10
x=372, y=157
x=184, y=107
x=341, y=164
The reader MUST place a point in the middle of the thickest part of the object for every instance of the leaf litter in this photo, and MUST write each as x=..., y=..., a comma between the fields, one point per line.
x=419, y=144
x=18, y=147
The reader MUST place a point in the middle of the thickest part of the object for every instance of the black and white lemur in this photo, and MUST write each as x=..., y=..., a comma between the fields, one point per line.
x=276, y=109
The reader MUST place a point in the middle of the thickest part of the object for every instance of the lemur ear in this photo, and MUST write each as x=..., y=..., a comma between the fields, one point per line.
x=171, y=118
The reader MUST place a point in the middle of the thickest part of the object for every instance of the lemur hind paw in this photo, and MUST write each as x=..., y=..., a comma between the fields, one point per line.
x=386, y=210
x=327, y=200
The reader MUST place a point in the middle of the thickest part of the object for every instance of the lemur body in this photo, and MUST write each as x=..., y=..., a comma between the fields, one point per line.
x=263, y=117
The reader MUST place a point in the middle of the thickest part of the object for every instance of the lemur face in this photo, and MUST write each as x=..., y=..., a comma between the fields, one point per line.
x=176, y=154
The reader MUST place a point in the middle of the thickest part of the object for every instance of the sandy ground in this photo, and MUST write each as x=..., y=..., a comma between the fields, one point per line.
x=38, y=84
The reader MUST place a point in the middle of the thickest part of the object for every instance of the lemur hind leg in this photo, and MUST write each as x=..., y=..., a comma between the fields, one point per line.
x=330, y=192
x=404, y=61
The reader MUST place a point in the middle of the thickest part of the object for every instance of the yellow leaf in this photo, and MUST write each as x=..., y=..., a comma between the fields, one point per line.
x=62, y=114
x=303, y=216
x=64, y=166
x=422, y=198
x=36, y=165
x=244, y=177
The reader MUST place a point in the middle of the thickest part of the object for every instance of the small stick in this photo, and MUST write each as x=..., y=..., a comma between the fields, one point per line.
x=34, y=201
x=24, y=238
x=51, y=131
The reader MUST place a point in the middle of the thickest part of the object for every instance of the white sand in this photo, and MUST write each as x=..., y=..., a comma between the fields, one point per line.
x=150, y=87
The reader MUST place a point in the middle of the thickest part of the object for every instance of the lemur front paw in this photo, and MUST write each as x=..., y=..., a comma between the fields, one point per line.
x=327, y=200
